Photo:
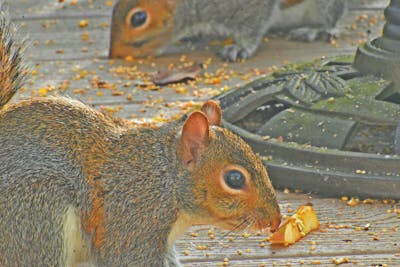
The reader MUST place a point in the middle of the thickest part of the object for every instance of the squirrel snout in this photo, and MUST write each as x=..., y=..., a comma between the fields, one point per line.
x=275, y=222
x=267, y=220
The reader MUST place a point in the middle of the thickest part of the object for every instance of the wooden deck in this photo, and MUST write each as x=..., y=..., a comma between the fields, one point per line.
x=67, y=59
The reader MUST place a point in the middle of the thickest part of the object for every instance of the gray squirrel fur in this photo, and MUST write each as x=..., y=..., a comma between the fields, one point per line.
x=249, y=21
x=78, y=188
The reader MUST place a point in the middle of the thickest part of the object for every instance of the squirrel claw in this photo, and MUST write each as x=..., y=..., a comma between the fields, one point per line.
x=233, y=53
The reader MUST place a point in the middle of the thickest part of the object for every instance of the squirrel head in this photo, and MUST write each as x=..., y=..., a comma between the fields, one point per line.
x=231, y=187
x=140, y=27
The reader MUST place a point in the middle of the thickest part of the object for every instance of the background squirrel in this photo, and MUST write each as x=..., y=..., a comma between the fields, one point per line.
x=78, y=188
x=146, y=27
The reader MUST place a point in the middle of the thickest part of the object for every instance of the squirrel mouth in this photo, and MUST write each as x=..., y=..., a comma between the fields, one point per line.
x=139, y=44
x=272, y=225
x=253, y=224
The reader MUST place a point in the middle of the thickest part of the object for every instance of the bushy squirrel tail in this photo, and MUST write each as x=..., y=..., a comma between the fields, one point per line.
x=13, y=71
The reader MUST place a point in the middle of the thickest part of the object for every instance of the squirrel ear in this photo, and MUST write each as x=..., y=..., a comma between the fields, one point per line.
x=194, y=137
x=213, y=112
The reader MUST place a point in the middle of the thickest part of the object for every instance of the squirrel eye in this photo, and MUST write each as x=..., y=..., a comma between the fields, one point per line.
x=235, y=179
x=138, y=18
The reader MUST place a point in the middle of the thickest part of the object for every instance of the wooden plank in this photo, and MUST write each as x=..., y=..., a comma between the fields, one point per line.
x=359, y=230
x=52, y=69
x=39, y=9
x=57, y=47
x=61, y=39
x=26, y=9
x=353, y=260
x=367, y=4
x=340, y=236
x=78, y=79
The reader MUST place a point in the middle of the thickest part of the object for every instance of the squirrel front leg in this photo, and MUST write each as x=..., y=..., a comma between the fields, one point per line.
x=242, y=49
x=248, y=27
x=245, y=44
x=171, y=259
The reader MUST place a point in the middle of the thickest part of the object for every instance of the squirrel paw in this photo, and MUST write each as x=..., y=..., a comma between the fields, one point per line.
x=233, y=53
x=313, y=34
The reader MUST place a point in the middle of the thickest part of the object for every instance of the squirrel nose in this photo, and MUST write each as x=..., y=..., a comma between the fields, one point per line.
x=275, y=222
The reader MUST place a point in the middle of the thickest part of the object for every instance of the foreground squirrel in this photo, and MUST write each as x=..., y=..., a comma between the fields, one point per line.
x=146, y=27
x=80, y=189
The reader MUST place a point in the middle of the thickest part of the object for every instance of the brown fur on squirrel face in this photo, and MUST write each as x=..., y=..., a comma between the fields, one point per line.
x=81, y=189
x=215, y=165
x=142, y=28
x=147, y=27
